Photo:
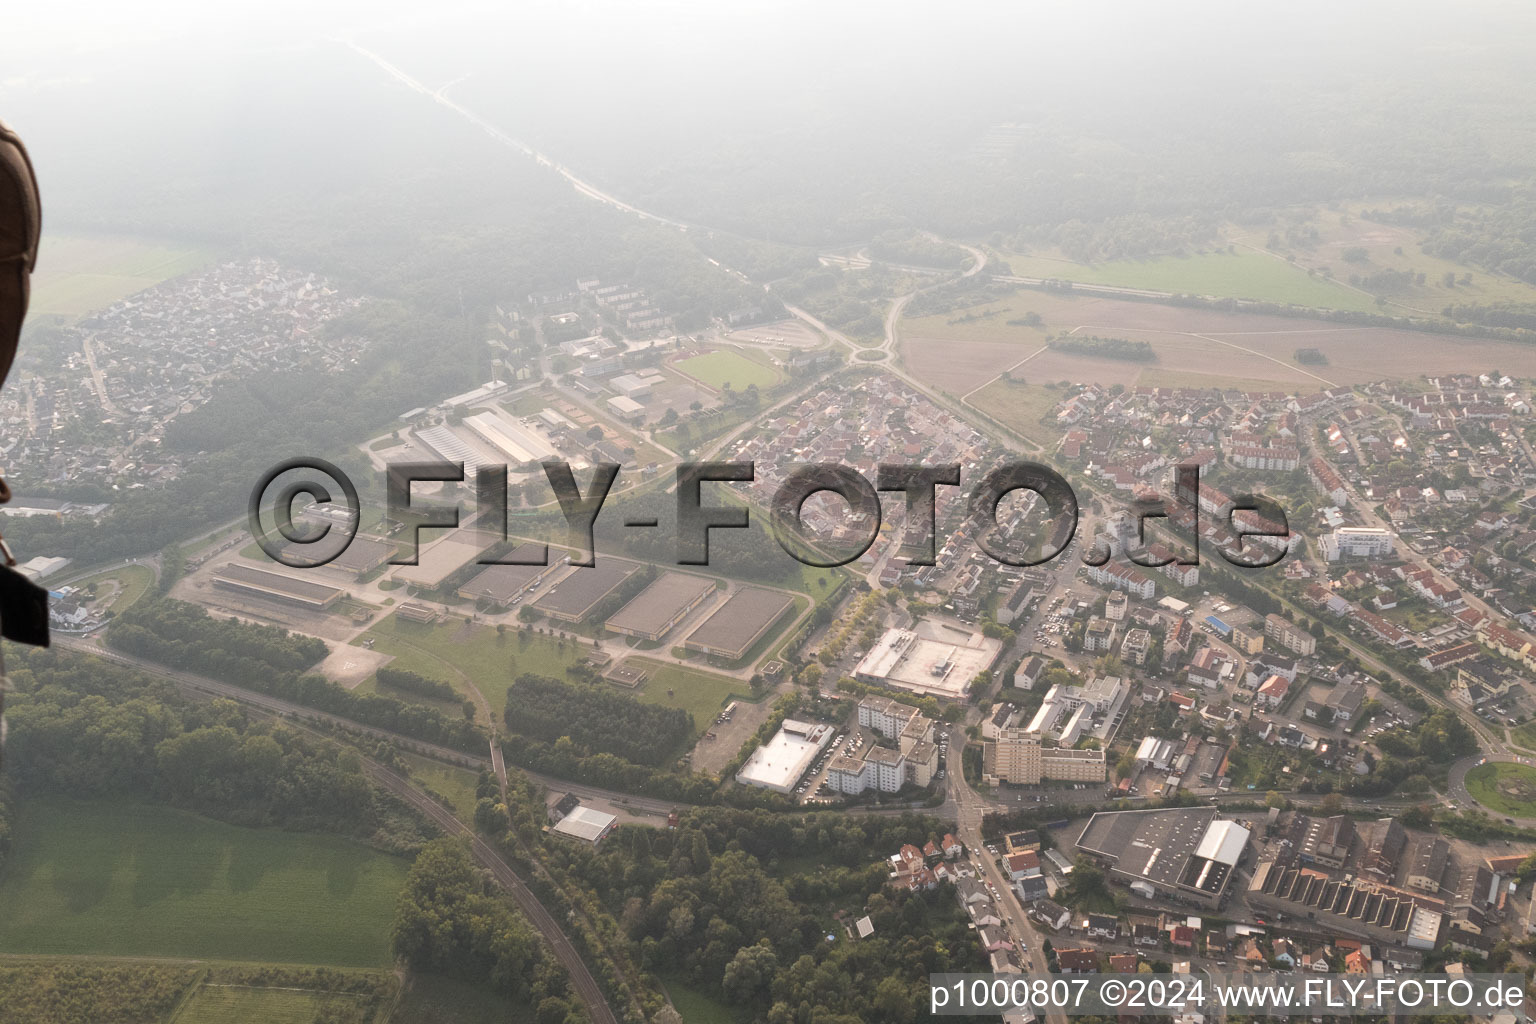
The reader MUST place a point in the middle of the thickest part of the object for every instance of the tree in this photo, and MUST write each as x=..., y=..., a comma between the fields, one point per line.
x=1275, y=799
x=749, y=972
x=595, y=432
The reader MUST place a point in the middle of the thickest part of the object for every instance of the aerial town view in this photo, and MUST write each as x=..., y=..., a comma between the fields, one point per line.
x=408, y=435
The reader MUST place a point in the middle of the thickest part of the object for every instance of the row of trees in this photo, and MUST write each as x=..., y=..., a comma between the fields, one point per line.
x=92, y=729
x=596, y=718
x=415, y=683
x=270, y=660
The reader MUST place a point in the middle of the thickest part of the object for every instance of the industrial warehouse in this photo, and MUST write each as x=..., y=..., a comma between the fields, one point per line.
x=582, y=589
x=276, y=586
x=502, y=584
x=731, y=630
x=656, y=609
x=1184, y=854
x=437, y=561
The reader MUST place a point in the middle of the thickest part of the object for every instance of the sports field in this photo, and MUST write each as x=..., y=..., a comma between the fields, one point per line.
x=81, y=274
x=1244, y=274
x=96, y=877
x=724, y=366
x=1504, y=788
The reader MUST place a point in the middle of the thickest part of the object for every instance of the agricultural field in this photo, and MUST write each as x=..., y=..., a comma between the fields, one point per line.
x=77, y=275
x=1396, y=248
x=701, y=694
x=1235, y=274
x=99, y=878
x=1020, y=407
x=239, y=1004
x=444, y=649
x=1194, y=344
x=726, y=366
x=1504, y=788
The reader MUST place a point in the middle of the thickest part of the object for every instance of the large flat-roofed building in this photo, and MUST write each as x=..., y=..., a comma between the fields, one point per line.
x=656, y=609
x=277, y=586
x=585, y=823
x=931, y=658
x=731, y=630
x=500, y=584
x=1184, y=854
x=779, y=763
x=515, y=442
x=578, y=592
x=362, y=556
x=1017, y=756
x=439, y=560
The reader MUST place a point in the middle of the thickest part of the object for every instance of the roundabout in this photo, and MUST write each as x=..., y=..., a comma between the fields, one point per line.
x=1504, y=787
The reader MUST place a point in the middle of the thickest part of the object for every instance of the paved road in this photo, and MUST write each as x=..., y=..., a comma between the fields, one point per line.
x=1457, y=783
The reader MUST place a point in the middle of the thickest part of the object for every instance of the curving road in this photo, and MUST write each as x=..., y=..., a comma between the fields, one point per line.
x=1457, y=783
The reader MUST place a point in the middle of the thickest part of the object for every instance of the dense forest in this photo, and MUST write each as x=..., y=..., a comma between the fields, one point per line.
x=596, y=718
x=737, y=903
x=88, y=728
x=452, y=921
x=272, y=660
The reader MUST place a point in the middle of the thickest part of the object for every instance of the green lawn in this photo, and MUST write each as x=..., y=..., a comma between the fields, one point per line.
x=109, y=878
x=1505, y=788
x=698, y=1007
x=1237, y=275
x=727, y=366
x=239, y=1004
x=79, y=275
x=436, y=1000
x=457, y=784
x=1020, y=407
x=701, y=694
x=491, y=661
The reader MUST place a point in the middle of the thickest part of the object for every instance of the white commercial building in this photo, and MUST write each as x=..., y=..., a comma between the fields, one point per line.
x=779, y=763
